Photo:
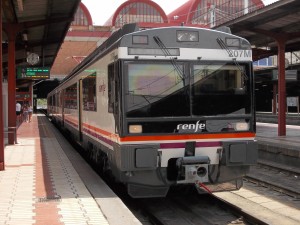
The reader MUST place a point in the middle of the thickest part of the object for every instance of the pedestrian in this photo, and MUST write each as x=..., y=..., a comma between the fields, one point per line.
x=18, y=111
x=30, y=110
x=25, y=113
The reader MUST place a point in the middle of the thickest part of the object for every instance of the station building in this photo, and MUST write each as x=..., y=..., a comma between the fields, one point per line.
x=83, y=37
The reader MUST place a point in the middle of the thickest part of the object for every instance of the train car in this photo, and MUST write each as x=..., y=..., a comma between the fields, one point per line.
x=163, y=107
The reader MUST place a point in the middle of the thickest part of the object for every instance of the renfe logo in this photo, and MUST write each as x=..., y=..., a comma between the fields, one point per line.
x=195, y=127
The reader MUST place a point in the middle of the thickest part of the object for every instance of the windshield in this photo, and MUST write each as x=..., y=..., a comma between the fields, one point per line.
x=160, y=90
x=219, y=89
x=156, y=90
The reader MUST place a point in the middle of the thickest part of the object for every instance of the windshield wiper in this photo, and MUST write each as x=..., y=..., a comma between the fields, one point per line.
x=166, y=52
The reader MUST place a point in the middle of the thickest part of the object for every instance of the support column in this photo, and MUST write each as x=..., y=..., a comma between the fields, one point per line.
x=281, y=88
x=11, y=85
x=274, y=107
x=2, y=165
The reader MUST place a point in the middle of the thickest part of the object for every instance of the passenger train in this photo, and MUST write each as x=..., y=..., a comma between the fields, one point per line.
x=163, y=107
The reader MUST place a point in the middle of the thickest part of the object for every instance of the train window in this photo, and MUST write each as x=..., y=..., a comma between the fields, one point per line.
x=217, y=78
x=49, y=101
x=113, y=87
x=54, y=100
x=70, y=97
x=156, y=89
x=89, y=93
x=60, y=98
x=222, y=88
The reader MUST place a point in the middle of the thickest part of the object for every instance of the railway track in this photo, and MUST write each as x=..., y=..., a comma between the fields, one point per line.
x=206, y=209
x=277, y=177
x=192, y=209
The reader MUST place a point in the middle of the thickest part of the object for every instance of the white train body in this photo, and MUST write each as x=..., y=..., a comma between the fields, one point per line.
x=163, y=107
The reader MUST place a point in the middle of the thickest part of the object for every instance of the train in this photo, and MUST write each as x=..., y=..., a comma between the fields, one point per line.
x=163, y=107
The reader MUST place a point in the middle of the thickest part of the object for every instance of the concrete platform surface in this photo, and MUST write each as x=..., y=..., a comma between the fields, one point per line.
x=45, y=181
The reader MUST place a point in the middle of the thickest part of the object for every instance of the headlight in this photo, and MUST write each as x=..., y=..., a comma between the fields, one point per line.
x=187, y=36
x=135, y=129
x=241, y=126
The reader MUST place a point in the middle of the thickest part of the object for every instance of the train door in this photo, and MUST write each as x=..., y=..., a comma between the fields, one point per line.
x=62, y=103
x=80, y=125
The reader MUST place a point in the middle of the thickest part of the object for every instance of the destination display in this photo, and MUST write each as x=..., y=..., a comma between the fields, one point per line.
x=37, y=73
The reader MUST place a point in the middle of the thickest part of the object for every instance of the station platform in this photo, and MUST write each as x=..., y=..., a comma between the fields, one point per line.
x=281, y=151
x=292, y=118
x=46, y=181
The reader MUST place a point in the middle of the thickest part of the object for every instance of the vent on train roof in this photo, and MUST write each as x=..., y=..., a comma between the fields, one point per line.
x=224, y=29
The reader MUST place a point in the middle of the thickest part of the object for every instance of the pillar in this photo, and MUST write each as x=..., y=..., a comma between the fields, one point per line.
x=11, y=83
x=274, y=106
x=2, y=167
x=281, y=88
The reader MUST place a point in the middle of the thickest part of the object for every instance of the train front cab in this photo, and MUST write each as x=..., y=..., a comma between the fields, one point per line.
x=163, y=145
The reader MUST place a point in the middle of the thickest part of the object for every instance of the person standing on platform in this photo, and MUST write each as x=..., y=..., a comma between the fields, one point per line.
x=18, y=112
x=25, y=113
x=30, y=110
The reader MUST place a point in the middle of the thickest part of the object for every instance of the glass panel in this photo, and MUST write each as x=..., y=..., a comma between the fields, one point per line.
x=80, y=18
x=70, y=97
x=89, y=93
x=156, y=90
x=219, y=89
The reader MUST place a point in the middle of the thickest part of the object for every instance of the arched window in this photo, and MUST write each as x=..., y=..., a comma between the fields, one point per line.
x=80, y=18
x=138, y=12
x=223, y=10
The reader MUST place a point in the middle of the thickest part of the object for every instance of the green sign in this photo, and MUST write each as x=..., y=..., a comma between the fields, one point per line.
x=33, y=73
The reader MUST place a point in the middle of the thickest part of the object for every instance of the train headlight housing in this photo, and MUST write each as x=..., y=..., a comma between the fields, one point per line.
x=187, y=36
x=240, y=126
x=135, y=129
x=233, y=42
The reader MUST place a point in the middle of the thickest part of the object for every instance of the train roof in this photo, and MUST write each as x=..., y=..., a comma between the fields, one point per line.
x=122, y=38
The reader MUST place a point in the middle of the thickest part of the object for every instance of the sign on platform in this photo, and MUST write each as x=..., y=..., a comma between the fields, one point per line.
x=292, y=102
x=290, y=75
x=36, y=73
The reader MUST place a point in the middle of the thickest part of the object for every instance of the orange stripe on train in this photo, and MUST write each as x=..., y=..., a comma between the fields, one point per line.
x=188, y=137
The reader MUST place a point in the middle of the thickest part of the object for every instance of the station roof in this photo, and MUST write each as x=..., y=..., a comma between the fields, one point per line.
x=39, y=26
x=195, y=11
x=261, y=27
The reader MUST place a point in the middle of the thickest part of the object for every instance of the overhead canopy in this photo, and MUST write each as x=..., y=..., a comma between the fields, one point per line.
x=39, y=26
x=263, y=26
x=200, y=11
